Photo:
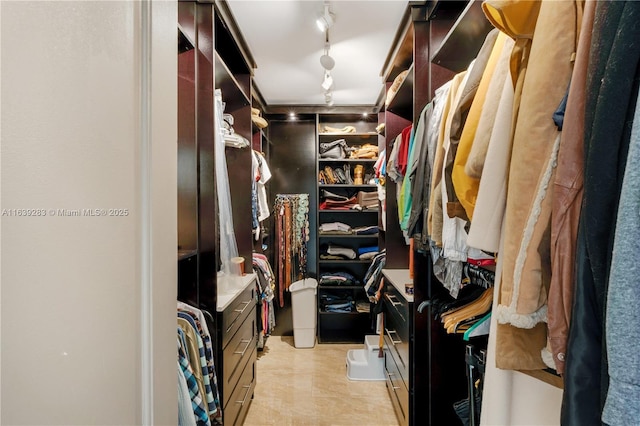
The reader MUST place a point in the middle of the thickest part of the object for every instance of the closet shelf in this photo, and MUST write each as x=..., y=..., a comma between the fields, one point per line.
x=347, y=160
x=184, y=254
x=463, y=42
x=332, y=236
x=350, y=211
x=355, y=313
x=233, y=94
x=356, y=261
x=402, y=102
x=360, y=134
x=344, y=185
x=340, y=287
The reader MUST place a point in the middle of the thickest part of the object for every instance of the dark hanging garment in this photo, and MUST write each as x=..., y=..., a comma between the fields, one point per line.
x=611, y=97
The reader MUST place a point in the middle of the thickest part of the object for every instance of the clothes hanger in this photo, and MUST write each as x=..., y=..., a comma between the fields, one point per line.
x=480, y=328
x=481, y=306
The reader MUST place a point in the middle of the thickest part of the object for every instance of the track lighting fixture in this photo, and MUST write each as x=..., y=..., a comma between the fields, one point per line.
x=326, y=19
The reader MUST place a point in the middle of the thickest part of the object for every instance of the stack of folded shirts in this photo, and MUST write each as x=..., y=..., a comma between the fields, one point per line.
x=365, y=151
x=333, y=251
x=365, y=230
x=346, y=252
x=337, y=278
x=348, y=204
x=334, y=302
x=335, y=228
x=368, y=200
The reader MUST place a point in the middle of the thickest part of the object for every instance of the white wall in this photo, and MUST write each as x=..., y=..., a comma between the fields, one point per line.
x=88, y=303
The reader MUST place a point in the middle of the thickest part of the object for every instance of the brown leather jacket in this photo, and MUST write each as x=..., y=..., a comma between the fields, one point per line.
x=567, y=197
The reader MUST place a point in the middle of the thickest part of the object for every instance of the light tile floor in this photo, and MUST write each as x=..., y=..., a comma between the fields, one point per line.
x=310, y=387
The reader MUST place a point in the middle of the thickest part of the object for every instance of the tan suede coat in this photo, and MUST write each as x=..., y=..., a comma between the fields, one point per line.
x=536, y=140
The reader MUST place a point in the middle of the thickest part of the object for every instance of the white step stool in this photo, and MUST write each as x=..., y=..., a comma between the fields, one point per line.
x=364, y=364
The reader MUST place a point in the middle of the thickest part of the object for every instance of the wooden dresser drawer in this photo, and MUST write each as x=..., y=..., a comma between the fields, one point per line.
x=397, y=388
x=397, y=333
x=238, y=310
x=240, y=349
x=237, y=406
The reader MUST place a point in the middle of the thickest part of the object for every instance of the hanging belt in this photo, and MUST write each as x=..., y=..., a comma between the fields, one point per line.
x=288, y=243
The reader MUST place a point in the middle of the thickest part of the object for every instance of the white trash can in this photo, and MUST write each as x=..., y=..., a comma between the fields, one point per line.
x=305, y=311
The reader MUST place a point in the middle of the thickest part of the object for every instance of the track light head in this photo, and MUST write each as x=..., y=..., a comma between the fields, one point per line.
x=327, y=83
x=325, y=20
x=328, y=98
x=327, y=62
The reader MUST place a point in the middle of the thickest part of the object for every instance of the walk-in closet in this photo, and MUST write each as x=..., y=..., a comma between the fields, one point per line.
x=327, y=212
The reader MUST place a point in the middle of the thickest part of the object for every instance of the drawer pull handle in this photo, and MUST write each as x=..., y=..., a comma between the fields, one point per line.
x=246, y=304
x=392, y=386
x=239, y=311
x=394, y=342
x=246, y=394
x=393, y=300
x=248, y=342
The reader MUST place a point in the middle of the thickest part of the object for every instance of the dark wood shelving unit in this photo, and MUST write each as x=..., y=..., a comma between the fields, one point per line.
x=334, y=327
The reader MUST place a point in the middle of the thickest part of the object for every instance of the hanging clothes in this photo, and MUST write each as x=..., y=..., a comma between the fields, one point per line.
x=259, y=200
x=612, y=87
x=228, y=244
x=266, y=288
x=196, y=344
x=199, y=411
x=466, y=188
x=623, y=298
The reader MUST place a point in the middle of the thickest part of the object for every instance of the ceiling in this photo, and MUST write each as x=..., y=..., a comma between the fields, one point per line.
x=286, y=44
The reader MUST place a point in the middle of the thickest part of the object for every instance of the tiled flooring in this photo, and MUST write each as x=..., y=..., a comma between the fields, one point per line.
x=310, y=387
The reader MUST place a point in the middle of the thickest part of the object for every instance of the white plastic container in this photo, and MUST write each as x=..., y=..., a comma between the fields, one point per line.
x=305, y=310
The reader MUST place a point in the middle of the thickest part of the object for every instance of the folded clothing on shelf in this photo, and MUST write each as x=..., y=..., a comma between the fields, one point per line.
x=368, y=255
x=334, y=302
x=366, y=230
x=339, y=205
x=334, y=227
x=333, y=196
x=338, y=278
x=345, y=129
x=337, y=250
x=368, y=249
x=367, y=200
